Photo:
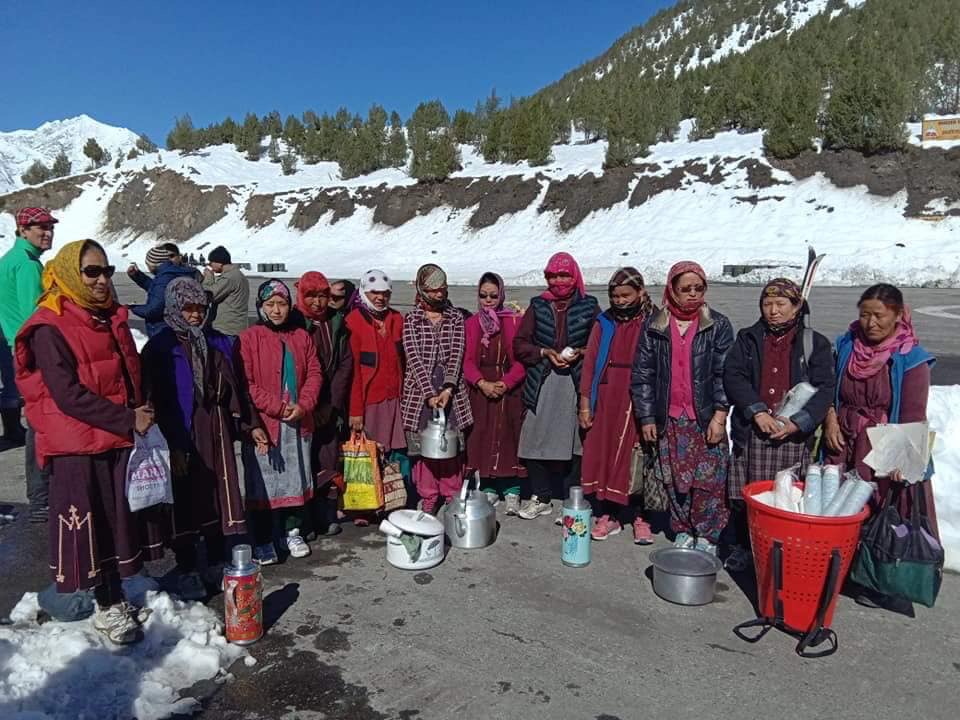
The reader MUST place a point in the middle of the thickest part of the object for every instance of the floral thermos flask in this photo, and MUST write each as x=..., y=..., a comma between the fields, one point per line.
x=243, y=598
x=577, y=517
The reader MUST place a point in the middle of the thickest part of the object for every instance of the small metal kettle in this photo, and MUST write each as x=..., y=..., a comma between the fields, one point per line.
x=470, y=521
x=437, y=441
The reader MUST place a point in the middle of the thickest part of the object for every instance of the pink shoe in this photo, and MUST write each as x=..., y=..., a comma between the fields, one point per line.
x=642, y=534
x=604, y=528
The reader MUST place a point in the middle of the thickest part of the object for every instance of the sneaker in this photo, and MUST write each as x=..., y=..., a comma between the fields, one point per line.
x=605, y=527
x=296, y=545
x=740, y=559
x=117, y=623
x=513, y=504
x=683, y=540
x=265, y=554
x=492, y=497
x=38, y=515
x=642, y=534
x=706, y=546
x=533, y=508
x=190, y=587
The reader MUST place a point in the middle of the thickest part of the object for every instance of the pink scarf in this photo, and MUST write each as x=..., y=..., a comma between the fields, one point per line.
x=563, y=263
x=490, y=317
x=867, y=360
x=672, y=301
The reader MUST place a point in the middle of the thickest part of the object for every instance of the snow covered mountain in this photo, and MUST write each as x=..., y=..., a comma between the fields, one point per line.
x=19, y=149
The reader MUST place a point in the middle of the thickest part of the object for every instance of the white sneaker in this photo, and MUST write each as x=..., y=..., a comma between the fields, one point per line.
x=513, y=504
x=190, y=587
x=533, y=508
x=706, y=546
x=684, y=540
x=493, y=498
x=117, y=624
x=296, y=545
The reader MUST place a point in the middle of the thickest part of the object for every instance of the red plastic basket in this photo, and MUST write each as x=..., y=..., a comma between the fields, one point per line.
x=808, y=541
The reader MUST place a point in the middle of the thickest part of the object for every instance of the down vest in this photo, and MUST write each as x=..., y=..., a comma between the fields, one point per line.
x=102, y=351
x=650, y=383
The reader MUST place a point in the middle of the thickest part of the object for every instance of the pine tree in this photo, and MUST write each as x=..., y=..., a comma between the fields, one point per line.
x=271, y=124
x=183, y=136
x=36, y=174
x=288, y=163
x=465, y=129
x=397, y=143
x=61, y=166
x=435, y=155
x=293, y=133
x=98, y=156
x=540, y=127
x=145, y=144
x=794, y=118
x=248, y=136
x=273, y=150
x=133, y=154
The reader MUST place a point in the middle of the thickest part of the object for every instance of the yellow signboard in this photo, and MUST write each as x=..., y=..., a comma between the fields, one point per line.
x=941, y=128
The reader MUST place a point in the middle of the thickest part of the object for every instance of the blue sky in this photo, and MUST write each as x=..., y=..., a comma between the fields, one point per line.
x=140, y=64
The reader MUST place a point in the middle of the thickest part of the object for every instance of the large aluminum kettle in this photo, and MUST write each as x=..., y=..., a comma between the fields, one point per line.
x=470, y=521
x=437, y=441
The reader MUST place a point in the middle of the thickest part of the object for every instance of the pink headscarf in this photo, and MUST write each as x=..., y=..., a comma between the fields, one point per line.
x=672, y=302
x=867, y=360
x=563, y=263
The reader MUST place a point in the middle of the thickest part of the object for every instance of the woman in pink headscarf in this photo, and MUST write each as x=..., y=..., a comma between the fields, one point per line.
x=883, y=376
x=494, y=377
x=550, y=343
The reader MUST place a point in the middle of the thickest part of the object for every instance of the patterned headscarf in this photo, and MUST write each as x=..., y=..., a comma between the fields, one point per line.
x=630, y=277
x=180, y=292
x=867, y=360
x=490, y=317
x=782, y=288
x=680, y=310
x=563, y=263
x=431, y=277
x=311, y=283
x=374, y=281
x=62, y=279
x=267, y=290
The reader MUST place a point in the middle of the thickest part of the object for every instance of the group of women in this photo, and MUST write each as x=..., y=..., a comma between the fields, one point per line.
x=630, y=402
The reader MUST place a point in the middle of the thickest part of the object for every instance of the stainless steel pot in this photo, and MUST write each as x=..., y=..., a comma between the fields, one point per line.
x=470, y=521
x=437, y=441
x=685, y=576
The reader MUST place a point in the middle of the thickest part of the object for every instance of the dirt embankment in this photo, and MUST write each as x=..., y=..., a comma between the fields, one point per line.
x=54, y=195
x=166, y=203
x=926, y=175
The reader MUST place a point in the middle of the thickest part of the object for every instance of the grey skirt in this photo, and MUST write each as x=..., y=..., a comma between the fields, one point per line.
x=281, y=478
x=552, y=431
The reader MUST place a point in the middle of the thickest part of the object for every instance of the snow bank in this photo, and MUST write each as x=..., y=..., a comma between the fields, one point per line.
x=69, y=671
x=943, y=409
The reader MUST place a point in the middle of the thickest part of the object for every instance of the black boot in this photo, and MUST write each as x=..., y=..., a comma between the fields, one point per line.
x=13, y=433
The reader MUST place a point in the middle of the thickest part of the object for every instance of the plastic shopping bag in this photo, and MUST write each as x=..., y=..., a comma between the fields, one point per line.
x=148, y=471
x=361, y=474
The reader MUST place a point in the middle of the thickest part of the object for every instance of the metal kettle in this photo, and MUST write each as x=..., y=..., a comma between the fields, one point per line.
x=437, y=441
x=470, y=521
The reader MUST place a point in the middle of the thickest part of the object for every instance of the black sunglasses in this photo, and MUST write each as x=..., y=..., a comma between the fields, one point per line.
x=489, y=296
x=95, y=271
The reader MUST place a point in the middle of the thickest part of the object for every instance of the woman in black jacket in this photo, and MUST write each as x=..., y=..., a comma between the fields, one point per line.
x=678, y=398
x=768, y=359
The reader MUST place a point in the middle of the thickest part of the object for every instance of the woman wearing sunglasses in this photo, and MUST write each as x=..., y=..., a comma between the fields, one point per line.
x=494, y=377
x=679, y=399
x=79, y=372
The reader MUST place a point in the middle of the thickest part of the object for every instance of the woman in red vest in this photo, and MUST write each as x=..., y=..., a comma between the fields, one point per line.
x=79, y=373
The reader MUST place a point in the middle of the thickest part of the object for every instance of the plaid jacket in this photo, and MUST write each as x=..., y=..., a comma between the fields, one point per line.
x=430, y=349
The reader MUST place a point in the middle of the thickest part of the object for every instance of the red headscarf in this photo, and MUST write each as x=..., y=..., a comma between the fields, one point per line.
x=310, y=284
x=867, y=360
x=672, y=302
x=563, y=263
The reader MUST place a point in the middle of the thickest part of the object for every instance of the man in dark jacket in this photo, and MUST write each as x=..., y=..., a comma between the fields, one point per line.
x=166, y=263
x=230, y=293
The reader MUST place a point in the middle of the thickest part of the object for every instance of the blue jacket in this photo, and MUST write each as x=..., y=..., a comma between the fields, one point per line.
x=152, y=310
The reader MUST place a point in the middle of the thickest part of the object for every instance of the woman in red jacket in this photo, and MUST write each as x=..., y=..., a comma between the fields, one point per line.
x=79, y=373
x=494, y=377
x=284, y=378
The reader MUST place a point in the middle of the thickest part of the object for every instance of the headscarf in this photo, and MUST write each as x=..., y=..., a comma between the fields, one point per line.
x=672, y=301
x=62, y=280
x=267, y=290
x=563, y=263
x=311, y=283
x=867, y=360
x=431, y=277
x=180, y=292
x=349, y=292
x=630, y=277
x=374, y=281
x=490, y=317
x=782, y=288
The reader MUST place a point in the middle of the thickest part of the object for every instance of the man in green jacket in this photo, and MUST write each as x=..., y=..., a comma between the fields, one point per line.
x=20, y=287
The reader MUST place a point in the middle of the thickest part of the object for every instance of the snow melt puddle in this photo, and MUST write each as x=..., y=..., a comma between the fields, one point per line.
x=69, y=671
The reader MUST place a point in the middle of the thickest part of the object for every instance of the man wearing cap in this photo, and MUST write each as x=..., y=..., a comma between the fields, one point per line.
x=20, y=273
x=230, y=291
x=166, y=264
